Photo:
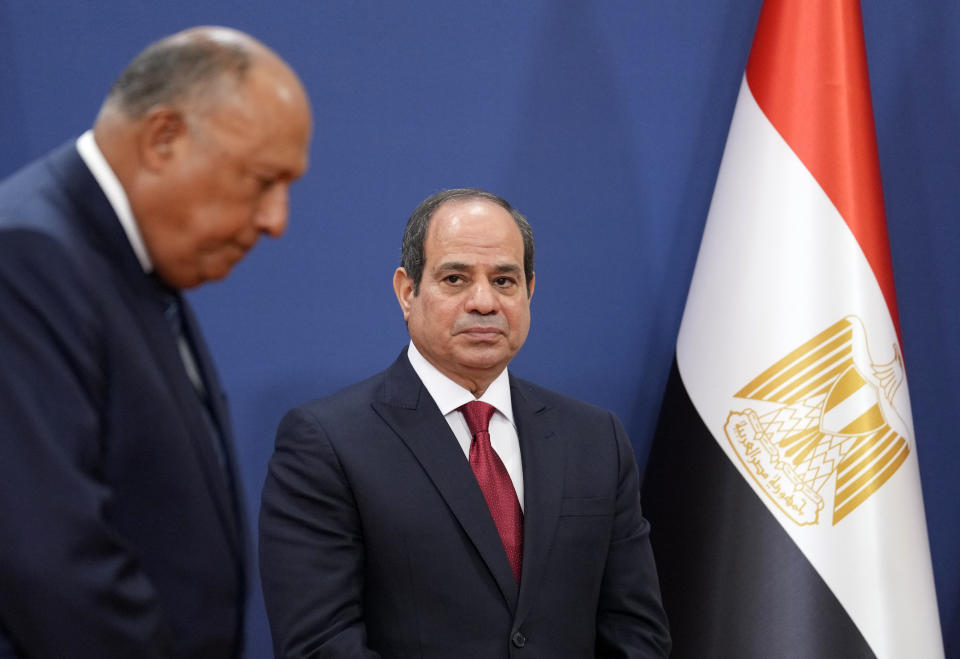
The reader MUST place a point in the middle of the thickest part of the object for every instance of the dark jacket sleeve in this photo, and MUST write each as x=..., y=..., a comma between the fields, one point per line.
x=631, y=621
x=70, y=587
x=311, y=547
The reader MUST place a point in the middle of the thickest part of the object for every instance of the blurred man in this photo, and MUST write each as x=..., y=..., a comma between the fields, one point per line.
x=122, y=529
x=445, y=508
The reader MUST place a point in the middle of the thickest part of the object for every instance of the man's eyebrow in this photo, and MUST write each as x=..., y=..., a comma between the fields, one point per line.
x=458, y=266
x=454, y=265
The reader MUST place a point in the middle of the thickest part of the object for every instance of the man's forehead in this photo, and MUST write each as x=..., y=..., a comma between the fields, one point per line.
x=474, y=220
x=471, y=205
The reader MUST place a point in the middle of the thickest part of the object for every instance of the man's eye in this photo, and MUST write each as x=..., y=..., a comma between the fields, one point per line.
x=503, y=281
x=262, y=182
x=453, y=279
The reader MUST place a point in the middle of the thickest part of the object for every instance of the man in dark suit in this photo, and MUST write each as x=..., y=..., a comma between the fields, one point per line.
x=445, y=508
x=122, y=532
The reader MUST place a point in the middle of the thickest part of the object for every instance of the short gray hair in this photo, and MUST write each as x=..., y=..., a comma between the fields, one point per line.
x=412, y=256
x=175, y=68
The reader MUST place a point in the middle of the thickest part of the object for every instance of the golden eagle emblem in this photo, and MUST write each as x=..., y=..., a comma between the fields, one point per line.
x=835, y=416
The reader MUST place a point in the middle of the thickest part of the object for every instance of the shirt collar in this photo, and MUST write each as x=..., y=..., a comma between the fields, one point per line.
x=113, y=190
x=448, y=395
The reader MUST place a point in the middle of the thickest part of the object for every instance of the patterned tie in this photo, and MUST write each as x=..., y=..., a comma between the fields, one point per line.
x=495, y=483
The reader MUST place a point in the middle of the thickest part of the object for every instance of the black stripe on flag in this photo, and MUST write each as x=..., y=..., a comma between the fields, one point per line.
x=734, y=584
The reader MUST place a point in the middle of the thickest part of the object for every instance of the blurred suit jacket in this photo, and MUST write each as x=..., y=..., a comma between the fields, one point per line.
x=376, y=540
x=122, y=535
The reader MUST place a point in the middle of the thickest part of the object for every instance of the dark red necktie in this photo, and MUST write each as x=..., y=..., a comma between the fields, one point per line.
x=495, y=483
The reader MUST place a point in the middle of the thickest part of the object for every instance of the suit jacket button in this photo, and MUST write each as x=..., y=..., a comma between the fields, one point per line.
x=518, y=639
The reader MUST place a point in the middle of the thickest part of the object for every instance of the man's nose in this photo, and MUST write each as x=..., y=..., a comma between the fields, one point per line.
x=483, y=299
x=271, y=217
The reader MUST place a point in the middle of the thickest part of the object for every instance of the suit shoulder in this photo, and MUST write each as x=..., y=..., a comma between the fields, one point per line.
x=34, y=199
x=558, y=401
x=42, y=238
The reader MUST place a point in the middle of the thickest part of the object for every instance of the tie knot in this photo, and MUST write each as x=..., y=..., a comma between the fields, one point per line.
x=172, y=307
x=173, y=312
x=477, y=413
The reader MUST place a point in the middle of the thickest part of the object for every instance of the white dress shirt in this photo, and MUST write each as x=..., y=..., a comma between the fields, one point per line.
x=448, y=395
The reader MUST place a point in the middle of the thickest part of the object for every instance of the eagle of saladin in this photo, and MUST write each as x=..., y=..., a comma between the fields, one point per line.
x=835, y=416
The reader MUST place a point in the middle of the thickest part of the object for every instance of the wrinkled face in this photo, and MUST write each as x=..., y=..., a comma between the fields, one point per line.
x=225, y=177
x=472, y=312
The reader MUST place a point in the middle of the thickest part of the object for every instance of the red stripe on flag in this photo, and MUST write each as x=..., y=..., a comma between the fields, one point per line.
x=808, y=73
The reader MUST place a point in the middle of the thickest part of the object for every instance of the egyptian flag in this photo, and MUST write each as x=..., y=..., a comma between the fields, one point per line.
x=783, y=487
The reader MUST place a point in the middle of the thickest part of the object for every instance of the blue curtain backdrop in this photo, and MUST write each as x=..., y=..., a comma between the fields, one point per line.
x=603, y=121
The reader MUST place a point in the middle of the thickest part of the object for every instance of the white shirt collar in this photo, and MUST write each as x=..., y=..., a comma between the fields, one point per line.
x=448, y=395
x=110, y=184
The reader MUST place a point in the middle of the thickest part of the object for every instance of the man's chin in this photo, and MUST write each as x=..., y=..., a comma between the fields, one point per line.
x=217, y=275
x=186, y=278
x=485, y=358
x=216, y=270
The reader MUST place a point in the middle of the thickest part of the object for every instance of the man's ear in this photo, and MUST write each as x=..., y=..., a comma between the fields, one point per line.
x=403, y=288
x=160, y=130
x=533, y=280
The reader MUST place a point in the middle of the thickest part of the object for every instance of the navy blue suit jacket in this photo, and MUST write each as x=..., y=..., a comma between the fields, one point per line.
x=121, y=533
x=375, y=539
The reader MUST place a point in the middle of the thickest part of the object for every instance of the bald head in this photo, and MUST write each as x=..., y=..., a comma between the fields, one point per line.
x=205, y=129
x=201, y=63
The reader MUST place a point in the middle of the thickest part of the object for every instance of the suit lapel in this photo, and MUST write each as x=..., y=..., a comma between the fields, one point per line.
x=99, y=224
x=221, y=417
x=410, y=411
x=542, y=453
x=148, y=308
